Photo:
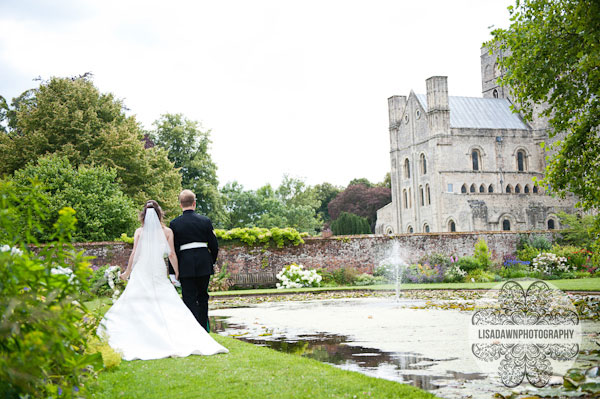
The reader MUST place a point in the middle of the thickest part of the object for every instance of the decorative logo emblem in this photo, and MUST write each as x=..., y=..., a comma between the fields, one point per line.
x=526, y=334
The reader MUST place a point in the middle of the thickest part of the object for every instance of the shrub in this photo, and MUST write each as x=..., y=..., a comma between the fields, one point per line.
x=221, y=280
x=44, y=333
x=480, y=276
x=549, y=264
x=423, y=273
x=577, y=231
x=105, y=282
x=515, y=270
x=468, y=263
x=344, y=275
x=368, y=279
x=577, y=258
x=103, y=210
x=528, y=253
x=252, y=236
x=540, y=242
x=294, y=276
x=437, y=259
x=349, y=223
x=537, y=241
x=482, y=254
x=454, y=274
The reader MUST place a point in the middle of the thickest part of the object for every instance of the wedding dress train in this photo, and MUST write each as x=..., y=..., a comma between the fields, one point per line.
x=149, y=320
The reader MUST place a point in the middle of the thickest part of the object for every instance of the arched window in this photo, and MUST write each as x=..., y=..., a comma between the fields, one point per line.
x=509, y=189
x=482, y=189
x=428, y=193
x=406, y=168
x=405, y=198
x=518, y=189
x=451, y=226
x=551, y=225
x=426, y=228
x=526, y=189
x=475, y=158
x=389, y=231
x=463, y=189
x=535, y=189
x=423, y=165
x=521, y=167
x=472, y=189
x=490, y=189
x=410, y=229
x=495, y=93
x=422, y=195
x=506, y=225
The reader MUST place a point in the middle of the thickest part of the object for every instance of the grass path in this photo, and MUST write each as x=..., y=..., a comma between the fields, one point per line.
x=247, y=372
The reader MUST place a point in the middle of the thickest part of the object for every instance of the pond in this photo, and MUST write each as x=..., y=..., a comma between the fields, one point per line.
x=405, y=341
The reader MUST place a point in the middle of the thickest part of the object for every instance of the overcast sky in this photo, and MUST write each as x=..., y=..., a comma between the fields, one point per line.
x=286, y=87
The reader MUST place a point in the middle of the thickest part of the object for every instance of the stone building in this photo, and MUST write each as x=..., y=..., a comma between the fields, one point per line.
x=466, y=163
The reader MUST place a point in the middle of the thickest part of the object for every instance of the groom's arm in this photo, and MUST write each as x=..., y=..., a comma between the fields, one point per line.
x=213, y=244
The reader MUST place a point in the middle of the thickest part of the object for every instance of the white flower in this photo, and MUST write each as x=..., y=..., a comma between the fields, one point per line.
x=13, y=250
x=64, y=271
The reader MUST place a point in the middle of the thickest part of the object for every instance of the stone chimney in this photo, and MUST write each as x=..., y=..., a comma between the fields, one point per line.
x=438, y=108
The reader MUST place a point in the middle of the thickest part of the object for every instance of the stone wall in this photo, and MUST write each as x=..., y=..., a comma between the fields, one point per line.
x=361, y=252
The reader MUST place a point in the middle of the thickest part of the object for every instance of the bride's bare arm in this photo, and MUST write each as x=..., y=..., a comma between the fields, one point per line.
x=172, y=254
x=136, y=236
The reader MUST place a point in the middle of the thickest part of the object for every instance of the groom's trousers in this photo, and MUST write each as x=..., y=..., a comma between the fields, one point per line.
x=194, y=291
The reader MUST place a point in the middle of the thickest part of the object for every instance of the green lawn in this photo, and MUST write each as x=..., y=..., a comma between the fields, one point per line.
x=247, y=372
x=583, y=284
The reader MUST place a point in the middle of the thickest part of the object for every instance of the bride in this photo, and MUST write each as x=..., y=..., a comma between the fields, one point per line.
x=149, y=320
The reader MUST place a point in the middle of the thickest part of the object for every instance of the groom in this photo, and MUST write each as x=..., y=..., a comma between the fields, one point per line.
x=197, y=249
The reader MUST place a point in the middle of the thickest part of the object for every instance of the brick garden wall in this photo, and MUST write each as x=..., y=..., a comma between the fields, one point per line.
x=361, y=252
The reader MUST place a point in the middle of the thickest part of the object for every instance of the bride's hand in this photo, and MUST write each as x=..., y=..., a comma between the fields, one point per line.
x=123, y=276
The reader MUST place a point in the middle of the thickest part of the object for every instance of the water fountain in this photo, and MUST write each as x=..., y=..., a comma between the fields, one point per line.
x=394, y=264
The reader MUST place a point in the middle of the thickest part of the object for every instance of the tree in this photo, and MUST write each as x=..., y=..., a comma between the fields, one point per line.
x=360, y=200
x=325, y=193
x=187, y=146
x=363, y=180
x=387, y=181
x=349, y=223
x=71, y=118
x=552, y=60
x=292, y=204
x=103, y=211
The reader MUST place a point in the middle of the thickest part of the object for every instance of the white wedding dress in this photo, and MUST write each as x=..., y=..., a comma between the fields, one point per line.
x=149, y=320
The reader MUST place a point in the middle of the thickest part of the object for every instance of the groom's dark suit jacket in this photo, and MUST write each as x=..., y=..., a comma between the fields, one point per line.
x=192, y=227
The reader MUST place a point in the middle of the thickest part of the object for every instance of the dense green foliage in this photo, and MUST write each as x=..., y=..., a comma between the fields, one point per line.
x=292, y=204
x=103, y=210
x=43, y=335
x=578, y=230
x=261, y=236
x=482, y=254
x=325, y=193
x=187, y=147
x=71, y=118
x=349, y=223
x=551, y=57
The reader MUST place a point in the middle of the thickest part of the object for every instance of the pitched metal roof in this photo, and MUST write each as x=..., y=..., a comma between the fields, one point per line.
x=481, y=113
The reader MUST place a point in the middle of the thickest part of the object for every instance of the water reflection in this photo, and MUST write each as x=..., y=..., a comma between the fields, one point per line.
x=338, y=350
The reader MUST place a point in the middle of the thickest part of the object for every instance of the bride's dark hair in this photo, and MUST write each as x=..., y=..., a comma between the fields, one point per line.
x=151, y=204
